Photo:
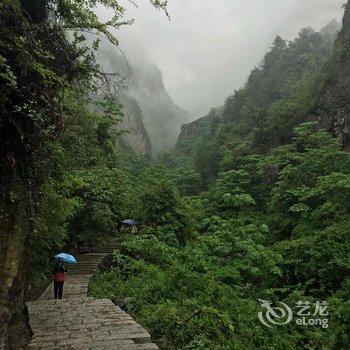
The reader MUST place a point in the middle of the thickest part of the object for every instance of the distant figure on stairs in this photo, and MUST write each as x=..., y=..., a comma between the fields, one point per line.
x=129, y=225
x=59, y=277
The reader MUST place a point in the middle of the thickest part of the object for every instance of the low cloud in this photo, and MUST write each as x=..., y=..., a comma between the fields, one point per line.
x=208, y=48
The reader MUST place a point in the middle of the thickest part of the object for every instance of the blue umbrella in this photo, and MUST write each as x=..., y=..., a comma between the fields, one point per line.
x=130, y=222
x=67, y=258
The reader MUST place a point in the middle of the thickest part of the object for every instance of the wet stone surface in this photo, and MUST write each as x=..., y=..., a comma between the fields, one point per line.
x=78, y=322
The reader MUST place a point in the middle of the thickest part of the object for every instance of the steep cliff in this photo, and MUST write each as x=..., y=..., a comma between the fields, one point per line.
x=136, y=137
x=141, y=82
x=198, y=131
x=333, y=107
x=162, y=118
x=194, y=129
x=119, y=74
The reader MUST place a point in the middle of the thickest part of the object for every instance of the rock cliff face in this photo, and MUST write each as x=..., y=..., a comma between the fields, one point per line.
x=162, y=118
x=333, y=107
x=199, y=129
x=120, y=71
x=136, y=137
x=13, y=259
x=154, y=121
x=194, y=129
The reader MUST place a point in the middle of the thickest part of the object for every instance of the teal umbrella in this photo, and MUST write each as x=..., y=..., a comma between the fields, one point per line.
x=67, y=258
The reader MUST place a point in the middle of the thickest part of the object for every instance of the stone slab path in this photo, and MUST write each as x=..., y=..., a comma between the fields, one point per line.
x=78, y=322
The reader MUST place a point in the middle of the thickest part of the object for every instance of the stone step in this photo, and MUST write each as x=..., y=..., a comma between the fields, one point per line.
x=92, y=255
x=88, y=270
x=107, y=250
x=83, y=263
x=78, y=322
x=87, y=261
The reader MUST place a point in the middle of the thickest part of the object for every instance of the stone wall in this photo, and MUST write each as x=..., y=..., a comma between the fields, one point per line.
x=13, y=234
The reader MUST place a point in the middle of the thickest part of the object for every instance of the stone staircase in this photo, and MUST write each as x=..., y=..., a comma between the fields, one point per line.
x=78, y=322
x=87, y=264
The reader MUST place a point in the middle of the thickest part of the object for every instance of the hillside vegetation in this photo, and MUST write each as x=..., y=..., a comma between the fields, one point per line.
x=253, y=203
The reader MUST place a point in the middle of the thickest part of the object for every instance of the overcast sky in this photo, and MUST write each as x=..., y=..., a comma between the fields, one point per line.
x=208, y=48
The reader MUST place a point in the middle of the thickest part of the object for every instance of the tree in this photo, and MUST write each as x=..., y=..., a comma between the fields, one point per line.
x=43, y=58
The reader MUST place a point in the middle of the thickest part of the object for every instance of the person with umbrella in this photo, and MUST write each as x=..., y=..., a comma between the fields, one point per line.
x=130, y=224
x=60, y=272
x=59, y=276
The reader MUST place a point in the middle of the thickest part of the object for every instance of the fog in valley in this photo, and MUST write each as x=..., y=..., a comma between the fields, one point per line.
x=208, y=48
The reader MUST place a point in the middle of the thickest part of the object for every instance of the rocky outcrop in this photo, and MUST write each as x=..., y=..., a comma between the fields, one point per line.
x=198, y=130
x=14, y=226
x=162, y=118
x=136, y=136
x=141, y=83
x=333, y=106
x=194, y=129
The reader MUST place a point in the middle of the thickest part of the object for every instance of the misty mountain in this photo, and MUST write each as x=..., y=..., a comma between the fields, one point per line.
x=266, y=109
x=137, y=137
x=162, y=118
x=151, y=116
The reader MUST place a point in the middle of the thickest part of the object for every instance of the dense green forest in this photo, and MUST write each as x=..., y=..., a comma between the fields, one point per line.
x=252, y=204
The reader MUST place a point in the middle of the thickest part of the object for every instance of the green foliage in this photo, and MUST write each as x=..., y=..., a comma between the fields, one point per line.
x=183, y=173
x=259, y=237
x=272, y=224
x=279, y=95
x=162, y=209
x=51, y=231
x=103, y=201
x=43, y=56
x=251, y=204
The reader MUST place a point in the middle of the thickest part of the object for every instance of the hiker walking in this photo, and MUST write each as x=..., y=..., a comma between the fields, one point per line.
x=60, y=272
x=59, y=277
